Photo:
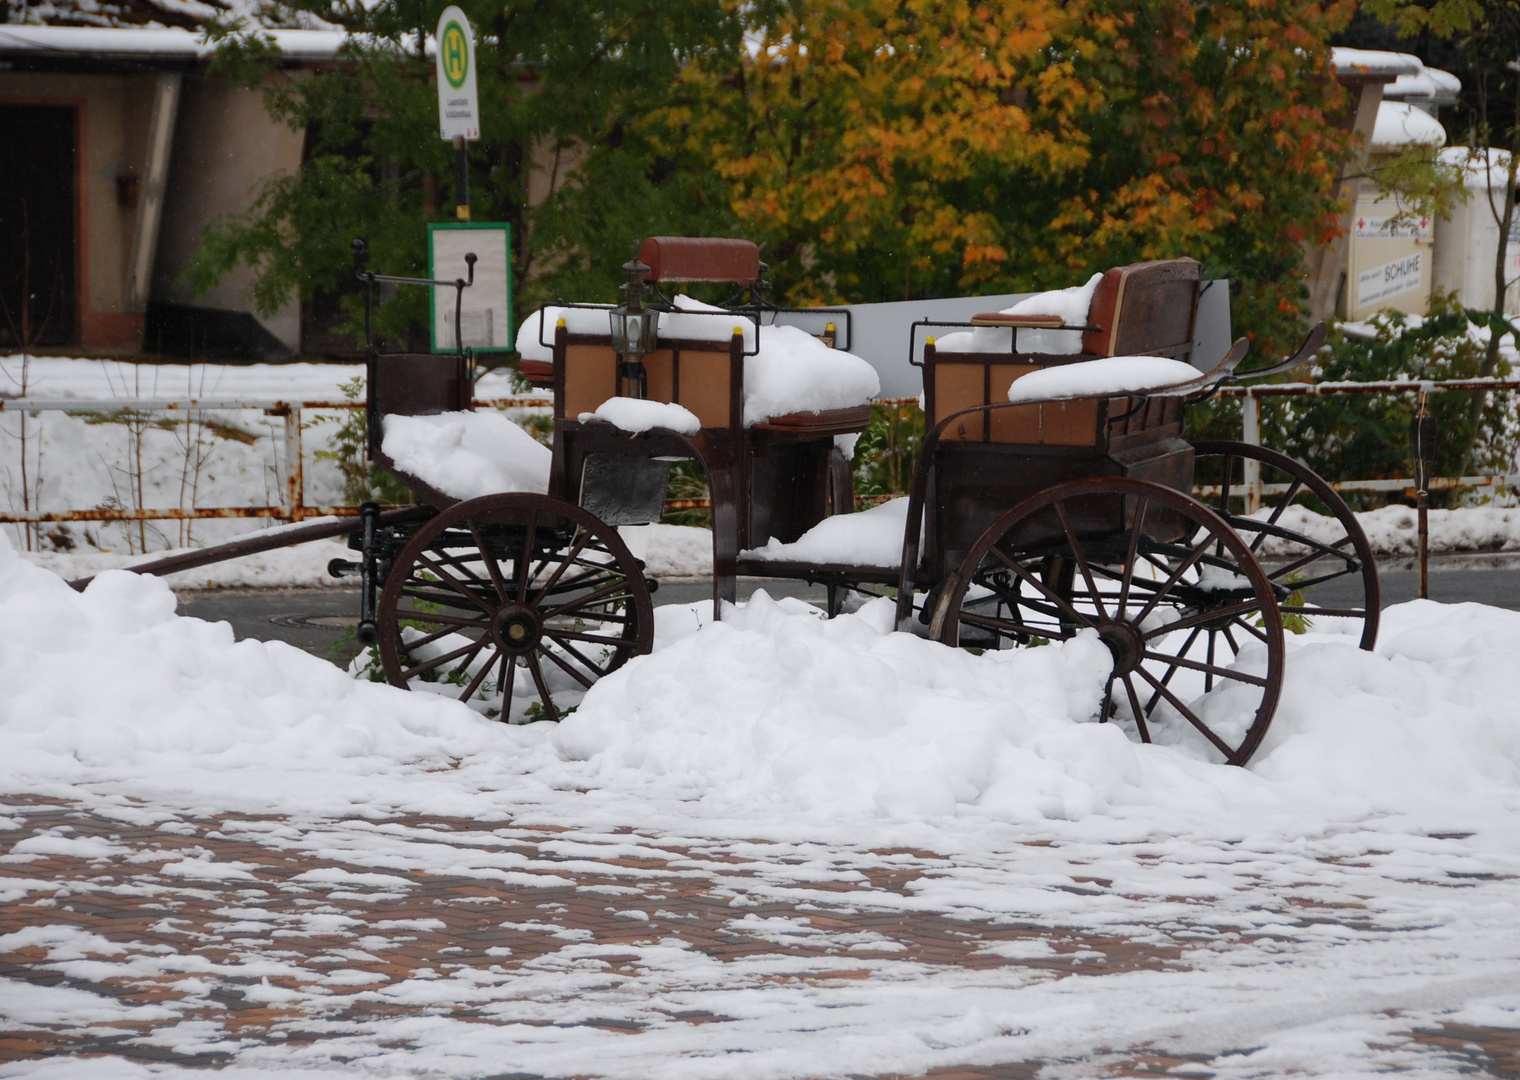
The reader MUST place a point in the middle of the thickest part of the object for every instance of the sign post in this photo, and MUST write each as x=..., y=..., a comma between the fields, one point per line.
x=485, y=316
x=458, y=103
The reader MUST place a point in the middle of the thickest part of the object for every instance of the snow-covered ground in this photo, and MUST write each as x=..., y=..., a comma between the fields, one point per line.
x=1388, y=789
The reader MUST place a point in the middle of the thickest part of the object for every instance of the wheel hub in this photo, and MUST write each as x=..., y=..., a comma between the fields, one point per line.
x=516, y=628
x=1125, y=643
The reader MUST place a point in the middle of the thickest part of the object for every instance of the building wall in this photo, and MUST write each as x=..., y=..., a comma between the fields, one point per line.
x=114, y=114
x=226, y=148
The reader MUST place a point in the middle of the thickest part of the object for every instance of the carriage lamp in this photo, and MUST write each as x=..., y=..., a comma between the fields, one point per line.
x=634, y=328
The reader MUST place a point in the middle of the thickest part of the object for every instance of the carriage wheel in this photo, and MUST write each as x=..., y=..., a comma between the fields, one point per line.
x=515, y=604
x=1164, y=592
x=1325, y=560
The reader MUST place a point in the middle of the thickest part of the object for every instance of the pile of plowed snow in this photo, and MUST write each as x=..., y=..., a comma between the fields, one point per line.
x=773, y=715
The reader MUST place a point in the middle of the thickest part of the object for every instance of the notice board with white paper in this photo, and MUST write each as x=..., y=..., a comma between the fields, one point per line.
x=486, y=308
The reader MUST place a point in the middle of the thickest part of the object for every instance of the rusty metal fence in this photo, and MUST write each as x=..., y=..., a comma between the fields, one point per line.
x=292, y=413
x=1252, y=397
x=294, y=507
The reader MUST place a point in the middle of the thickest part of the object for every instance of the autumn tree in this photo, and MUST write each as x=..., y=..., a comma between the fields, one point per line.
x=900, y=148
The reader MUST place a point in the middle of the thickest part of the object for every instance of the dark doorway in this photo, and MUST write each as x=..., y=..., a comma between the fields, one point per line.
x=37, y=180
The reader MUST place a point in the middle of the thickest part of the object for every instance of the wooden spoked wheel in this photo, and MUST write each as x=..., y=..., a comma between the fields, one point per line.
x=514, y=604
x=1188, y=615
x=1306, y=538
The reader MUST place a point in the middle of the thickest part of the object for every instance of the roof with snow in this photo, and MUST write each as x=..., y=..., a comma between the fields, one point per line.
x=142, y=43
x=1373, y=63
x=1400, y=124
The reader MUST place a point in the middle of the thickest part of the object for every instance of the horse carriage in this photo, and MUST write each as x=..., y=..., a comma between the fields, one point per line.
x=1052, y=496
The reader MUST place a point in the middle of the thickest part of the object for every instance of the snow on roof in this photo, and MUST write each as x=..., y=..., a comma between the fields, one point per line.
x=1401, y=124
x=1428, y=84
x=1482, y=167
x=173, y=44
x=1353, y=62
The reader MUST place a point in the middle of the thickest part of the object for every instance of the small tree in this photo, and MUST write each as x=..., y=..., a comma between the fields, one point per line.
x=1485, y=35
x=564, y=88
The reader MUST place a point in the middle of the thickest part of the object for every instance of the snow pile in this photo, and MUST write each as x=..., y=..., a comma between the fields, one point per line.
x=1429, y=717
x=872, y=537
x=301, y=566
x=639, y=414
x=539, y=327
x=793, y=372
x=467, y=454
x=695, y=321
x=1393, y=530
x=840, y=716
x=773, y=715
x=109, y=683
x=1108, y=375
x=1070, y=305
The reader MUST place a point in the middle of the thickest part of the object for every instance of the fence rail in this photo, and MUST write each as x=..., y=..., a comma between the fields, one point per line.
x=294, y=507
x=1251, y=422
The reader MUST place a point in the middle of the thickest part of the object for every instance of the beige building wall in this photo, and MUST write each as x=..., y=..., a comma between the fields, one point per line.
x=114, y=113
x=226, y=148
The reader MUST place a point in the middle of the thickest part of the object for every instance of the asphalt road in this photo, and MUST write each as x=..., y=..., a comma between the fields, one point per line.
x=321, y=621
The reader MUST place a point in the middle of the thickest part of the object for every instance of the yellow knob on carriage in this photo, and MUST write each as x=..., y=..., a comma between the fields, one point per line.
x=829, y=329
x=559, y=324
x=738, y=331
x=928, y=341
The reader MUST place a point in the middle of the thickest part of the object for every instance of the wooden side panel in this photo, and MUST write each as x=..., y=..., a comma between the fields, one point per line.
x=659, y=370
x=1018, y=427
x=704, y=386
x=957, y=387
x=1070, y=423
x=590, y=377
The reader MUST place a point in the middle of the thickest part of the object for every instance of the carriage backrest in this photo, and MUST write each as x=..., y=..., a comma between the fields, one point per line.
x=414, y=384
x=701, y=376
x=698, y=375
x=1146, y=308
x=701, y=259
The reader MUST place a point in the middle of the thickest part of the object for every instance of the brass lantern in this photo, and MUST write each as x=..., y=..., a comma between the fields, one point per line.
x=634, y=329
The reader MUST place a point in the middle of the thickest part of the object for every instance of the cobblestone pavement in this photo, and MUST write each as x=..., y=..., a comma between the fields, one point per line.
x=196, y=942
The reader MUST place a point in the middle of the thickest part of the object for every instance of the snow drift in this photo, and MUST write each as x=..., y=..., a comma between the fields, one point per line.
x=772, y=716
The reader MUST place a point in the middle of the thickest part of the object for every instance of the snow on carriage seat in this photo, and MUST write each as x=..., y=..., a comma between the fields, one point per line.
x=793, y=372
x=1070, y=304
x=872, y=537
x=1105, y=376
x=467, y=454
x=578, y=320
x=638, y=414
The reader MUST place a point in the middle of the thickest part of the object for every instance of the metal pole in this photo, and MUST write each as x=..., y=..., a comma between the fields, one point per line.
x=1251, y=423
x=295, y=479
x=461, y=179
x=1423, y=450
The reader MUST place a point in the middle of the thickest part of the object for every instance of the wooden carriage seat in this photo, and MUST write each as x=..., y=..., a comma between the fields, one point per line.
x=1145, y=308
x=414, y=384
x=703, y=376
